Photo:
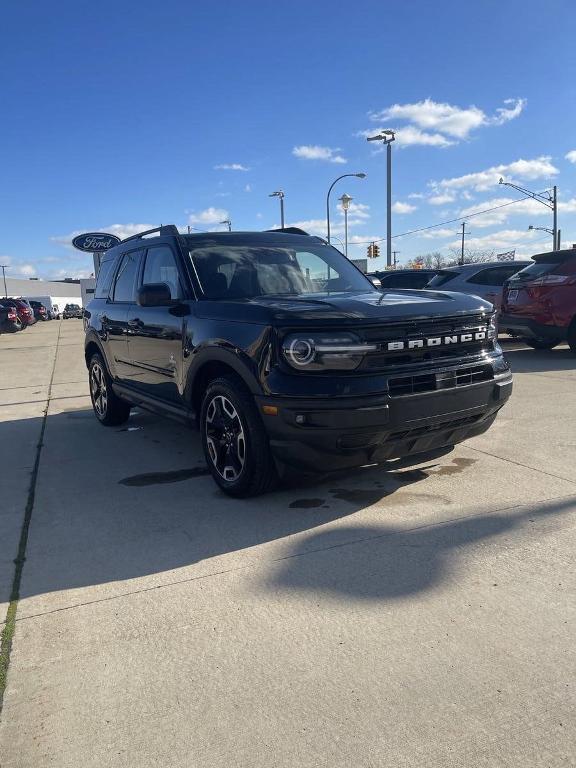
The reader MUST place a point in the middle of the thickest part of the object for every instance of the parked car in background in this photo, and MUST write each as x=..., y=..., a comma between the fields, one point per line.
x=402, y=278
x=9, y=320
x=23, y=309
x=72, y=310
x=40, y=311
x=51, y=309
x=485, y=279
x=539, y=302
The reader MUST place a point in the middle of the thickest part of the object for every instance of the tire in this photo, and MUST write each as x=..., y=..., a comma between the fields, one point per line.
x=235, y=442
x=109, y=409
x=572, y=337
x=542, y=343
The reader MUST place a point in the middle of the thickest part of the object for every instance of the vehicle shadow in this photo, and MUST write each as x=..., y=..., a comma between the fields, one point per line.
x=388, y=563
x=524, y=359
x=117, y=504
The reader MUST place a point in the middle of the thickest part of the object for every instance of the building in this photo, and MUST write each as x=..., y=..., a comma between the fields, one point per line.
x=60, y=291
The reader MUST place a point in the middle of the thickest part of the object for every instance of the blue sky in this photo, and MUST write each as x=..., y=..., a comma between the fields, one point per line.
x=118, y=115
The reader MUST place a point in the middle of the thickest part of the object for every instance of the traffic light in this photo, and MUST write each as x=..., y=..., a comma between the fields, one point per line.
x=376, y=251
x=371, y=251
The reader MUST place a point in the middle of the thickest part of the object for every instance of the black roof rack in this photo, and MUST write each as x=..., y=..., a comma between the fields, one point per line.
x=290, y=231
x=164, y=229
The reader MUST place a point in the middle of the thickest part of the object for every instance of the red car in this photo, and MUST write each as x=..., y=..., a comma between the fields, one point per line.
x=23, y=310
x=539, y=302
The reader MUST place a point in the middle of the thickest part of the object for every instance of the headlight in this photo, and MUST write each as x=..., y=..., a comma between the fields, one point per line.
x=320, y=352
x=492, y=327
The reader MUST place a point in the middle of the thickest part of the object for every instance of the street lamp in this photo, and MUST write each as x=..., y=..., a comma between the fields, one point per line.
x=345, y=200
x=387, y=137
x=547, y=199
x=344, y=176
x=280, y=194
x=550, y=232
x=229, y=223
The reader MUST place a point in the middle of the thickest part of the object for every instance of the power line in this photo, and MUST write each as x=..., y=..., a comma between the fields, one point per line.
x=443, y=223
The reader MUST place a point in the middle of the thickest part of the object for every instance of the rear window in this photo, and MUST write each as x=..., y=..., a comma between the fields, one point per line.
x=557, y=266
x=442, y=278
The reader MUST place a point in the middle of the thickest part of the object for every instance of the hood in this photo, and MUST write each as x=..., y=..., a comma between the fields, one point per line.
x=346, y=308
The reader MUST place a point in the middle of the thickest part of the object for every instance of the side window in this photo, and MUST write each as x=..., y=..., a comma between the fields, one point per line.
x=161, y=267
x=104, y=281
x=125, y=283
x=494, y=276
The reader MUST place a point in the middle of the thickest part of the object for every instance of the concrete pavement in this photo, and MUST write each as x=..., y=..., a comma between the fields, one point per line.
x=407, y=616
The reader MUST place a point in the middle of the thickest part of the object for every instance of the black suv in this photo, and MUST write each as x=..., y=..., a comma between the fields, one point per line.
x=283, y=353
x=72, y=310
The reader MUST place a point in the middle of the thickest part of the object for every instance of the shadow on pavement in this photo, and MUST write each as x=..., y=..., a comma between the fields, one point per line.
x=523, y=359
x=386, y=563
x=114, y=504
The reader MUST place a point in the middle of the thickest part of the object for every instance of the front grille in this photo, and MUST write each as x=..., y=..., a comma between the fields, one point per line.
x=382, y=335
x=432, y=382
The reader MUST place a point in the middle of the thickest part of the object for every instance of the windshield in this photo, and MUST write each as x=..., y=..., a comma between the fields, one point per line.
x=246, y=271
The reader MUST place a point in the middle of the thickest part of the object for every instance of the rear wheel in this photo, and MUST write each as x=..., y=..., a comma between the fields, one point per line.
x=235, y=442
x=110, y=410
x=572, y=336
x=542, y=343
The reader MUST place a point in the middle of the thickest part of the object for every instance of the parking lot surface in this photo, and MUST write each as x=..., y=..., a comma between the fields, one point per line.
x=405, y=615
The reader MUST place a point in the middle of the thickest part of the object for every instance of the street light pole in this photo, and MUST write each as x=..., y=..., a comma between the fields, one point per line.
x=280, y=194
x=344, y=176
x=549, y=200
x=387, y=137
x=346, y=200
x=4, y=276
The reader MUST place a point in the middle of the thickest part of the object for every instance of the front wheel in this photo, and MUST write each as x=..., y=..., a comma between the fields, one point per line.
x=542, y=343
x=235, y=442
x=110, y=410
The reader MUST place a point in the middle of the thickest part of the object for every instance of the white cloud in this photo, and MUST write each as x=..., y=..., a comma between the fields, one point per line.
x=416, y=196
x=15, y=268
x=399, y=207
x=571, y=156
x=442, y=199
x=231, y=167
x=527, y=208
x=209, y=216
x=439, y=124
x=356, y=211
x=538, y=168
x=315, y=152
x=503, y=239
x=248, y=188
x=120, y=230
x=432, y=234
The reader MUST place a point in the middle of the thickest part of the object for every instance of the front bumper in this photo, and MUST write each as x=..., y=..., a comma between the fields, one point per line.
x=527, y=327
x=327, y=435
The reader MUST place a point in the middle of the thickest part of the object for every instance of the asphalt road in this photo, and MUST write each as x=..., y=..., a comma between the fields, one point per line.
x=401, y=616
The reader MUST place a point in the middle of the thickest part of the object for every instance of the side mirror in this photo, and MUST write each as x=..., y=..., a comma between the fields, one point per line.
x=154, y=295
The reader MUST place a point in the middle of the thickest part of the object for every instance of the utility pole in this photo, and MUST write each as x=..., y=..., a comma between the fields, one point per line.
x=547, y=199
x=4, y=276
x=394, y=253
x=280, y=194
x=462, y=251
x=556, y=234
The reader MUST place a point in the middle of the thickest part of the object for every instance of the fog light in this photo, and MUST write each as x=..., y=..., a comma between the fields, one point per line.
x=300, y=418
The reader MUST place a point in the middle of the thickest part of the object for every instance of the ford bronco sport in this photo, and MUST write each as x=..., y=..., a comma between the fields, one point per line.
x=283, y=353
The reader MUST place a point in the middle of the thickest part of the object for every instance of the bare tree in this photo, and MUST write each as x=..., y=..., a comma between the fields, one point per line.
x=472, y=255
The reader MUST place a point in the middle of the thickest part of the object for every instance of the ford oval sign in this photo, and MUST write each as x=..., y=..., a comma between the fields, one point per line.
x=95, y=242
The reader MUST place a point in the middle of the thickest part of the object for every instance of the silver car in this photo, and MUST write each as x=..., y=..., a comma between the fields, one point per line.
x=485, y=280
